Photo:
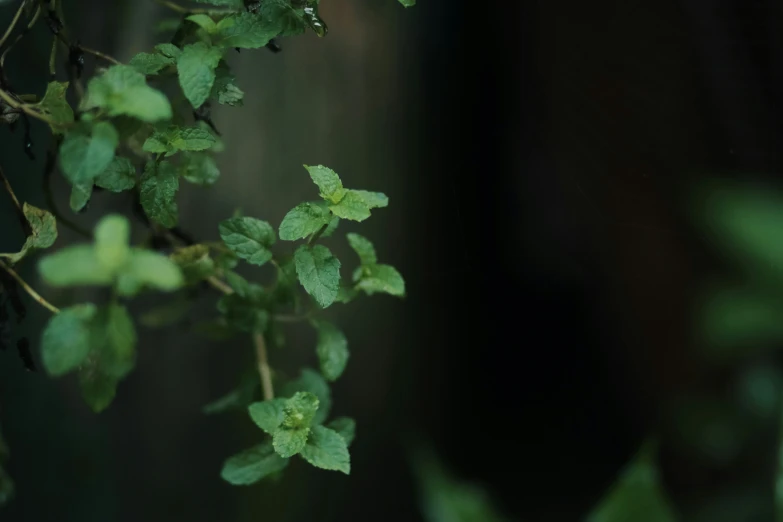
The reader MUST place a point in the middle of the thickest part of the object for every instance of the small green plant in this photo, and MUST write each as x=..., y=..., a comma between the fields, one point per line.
x=145, y=127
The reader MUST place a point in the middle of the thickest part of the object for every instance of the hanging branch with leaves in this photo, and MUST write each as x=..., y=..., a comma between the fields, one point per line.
x=123, y=134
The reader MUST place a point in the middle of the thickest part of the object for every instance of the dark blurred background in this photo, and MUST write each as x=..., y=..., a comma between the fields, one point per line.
x=539, y=157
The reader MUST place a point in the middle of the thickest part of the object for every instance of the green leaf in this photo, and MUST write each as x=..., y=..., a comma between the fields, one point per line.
x=111, y=358
x=345, y=426
x=327, y=449
x=199, y=168
x=351, y=206
x=83, y=157
x=120, y=175
x=195, y=263
x=151, y=63
x=168, y=49
x=303, y=220
x=74, y=266
x=332, y=350
x=446, y=498
x=736, y=319
x=372, y=199
x=245, y=30
x=174, y=139
x=252, y=465
x=288, y=20
x=328, y=182
x=311, y=381
x=66, y=339
x=122, y=89
x=245, y=289
x=114, y=341
x=408, y=3
x=98, y=389
x=288, y=443
x=299, y=411
x=56, y=107
x=196, y=66
x=319, y=272
x=239, y=398
x=637, y=495
x=204, y=21
x=298, y=414
x=249, y=238
x=356, y=204
x=381, y=278
x=158, y=187
x=112, y=235
x=149, y=269
x=43, y=231
x=331, y=227
x=268, y=415
x=80, y=196
x=364, y=248
x=225, y=88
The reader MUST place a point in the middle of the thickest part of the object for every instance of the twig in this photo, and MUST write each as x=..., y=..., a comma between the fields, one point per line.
x=19, y=211
x=100, y=55
x=13, y=23
x=27, y=288
x=53, y=60
x=33, y=20
x=8, y=99
x=263, y=367
x=216, y=283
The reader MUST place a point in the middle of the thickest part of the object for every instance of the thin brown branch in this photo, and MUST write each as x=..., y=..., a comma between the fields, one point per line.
x=263, y=367
x=100, y=55
x=12, y=102
x=27, y=288
x=13, y=23
x=19, y=212
x=219, y=285
x=33, y=20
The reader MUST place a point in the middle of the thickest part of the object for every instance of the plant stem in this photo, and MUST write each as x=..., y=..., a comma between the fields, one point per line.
x=100, y=55
x=20, y=36
x=18, y=207
x=27, y=288
x=53, y=59
x=315, y=236
x=8, y=99
x=263, y=366
x=13, y=23
x=216, y=283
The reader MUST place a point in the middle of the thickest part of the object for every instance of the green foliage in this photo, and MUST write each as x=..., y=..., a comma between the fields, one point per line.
x=43, y=232
x=249, y=238
x=319, y=272
x=87, y=151
x=446, y=498
x=332, y=350
x=127, y=135
x=123, y=90
x=196, y=66
x=158, y=190
x=252, y=465
x=637, y=495
x=55, y=107
x=327, y=449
